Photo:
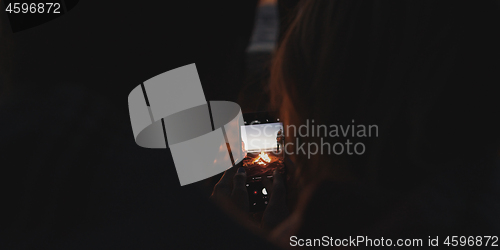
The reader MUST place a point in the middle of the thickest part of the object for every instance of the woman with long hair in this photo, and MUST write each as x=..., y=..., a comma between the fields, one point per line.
x=423, y=74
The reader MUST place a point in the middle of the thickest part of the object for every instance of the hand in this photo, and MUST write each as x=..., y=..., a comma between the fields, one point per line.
x=276, y=210
x=232, y=187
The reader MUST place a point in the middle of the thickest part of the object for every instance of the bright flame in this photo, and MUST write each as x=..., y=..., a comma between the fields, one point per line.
x=262, y=159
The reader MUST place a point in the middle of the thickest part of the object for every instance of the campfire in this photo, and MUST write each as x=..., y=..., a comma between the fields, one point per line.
x=262, y=159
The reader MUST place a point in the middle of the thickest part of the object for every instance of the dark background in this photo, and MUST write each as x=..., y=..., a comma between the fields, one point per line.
x=73, y=177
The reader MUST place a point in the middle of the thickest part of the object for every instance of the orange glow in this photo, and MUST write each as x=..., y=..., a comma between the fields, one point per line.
x=262, y=159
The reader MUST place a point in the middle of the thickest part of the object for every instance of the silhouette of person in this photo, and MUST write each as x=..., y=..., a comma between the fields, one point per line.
x=279, y=139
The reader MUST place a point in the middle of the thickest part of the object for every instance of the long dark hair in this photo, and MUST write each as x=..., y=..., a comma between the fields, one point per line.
x=405, y=66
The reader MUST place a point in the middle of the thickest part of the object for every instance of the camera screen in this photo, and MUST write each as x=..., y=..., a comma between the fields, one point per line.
x=263, y=148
